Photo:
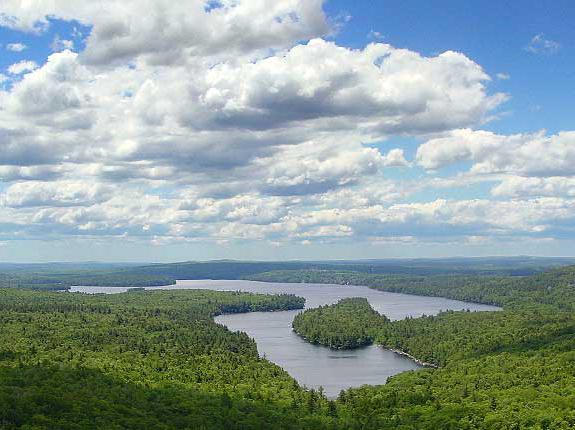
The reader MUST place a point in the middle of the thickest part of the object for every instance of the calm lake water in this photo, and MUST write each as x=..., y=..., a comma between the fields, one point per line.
x=311, y=365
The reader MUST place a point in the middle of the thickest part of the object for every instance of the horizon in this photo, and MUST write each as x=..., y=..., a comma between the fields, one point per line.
x=225, y=260
x=304, y=130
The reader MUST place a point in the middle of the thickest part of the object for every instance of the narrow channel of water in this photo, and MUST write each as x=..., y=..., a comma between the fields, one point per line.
x=312, y=365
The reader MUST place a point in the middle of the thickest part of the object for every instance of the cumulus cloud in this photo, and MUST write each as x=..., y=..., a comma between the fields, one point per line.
x=61, y=193
x=450, y=218
x=52, y=89
x=375, y=192
x=237, y=121
x=187, y=28
x=395, y=158
x=32, y=173
x=312, y=168
x=519, y=186
x=23, y=66
x=245, y=209
x=525, y=154
x=299, y=107
x=383, y=89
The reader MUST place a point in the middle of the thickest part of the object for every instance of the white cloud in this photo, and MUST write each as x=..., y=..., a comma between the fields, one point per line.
x=245, y=209
x=236, y=117
x=187, y=28
x=519, y=186
x=314, y=167
x=395, y=158
x=32, y=173
x=380, y=88
x=449, y=218
x=16, y=47
x=77, y=209
x=374, y=192
x=257, y=129
x=503, y=76
x=21, y=67
x=59, y=44
x=524, y=154
x=539, y=44
x=56, y=87
x=54, y=194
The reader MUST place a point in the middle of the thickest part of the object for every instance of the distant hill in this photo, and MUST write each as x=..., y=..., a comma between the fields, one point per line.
x=64, y=266
x=234, y=269
x=63, y=275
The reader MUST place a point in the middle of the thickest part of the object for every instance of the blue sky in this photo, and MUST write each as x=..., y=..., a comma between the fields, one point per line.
x=309, y=129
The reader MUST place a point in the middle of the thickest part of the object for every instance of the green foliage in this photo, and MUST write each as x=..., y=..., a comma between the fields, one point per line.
x=531, y=390
x=50, y=281
x=453, y=336
x=350, y=323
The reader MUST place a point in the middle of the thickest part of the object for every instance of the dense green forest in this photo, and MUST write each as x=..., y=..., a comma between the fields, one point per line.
x=348, y=324
x=498, y=370
x=63, y=281
x=143, y=360
x=157, y=360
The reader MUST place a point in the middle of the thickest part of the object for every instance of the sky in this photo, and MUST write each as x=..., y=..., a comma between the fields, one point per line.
x=154, y=130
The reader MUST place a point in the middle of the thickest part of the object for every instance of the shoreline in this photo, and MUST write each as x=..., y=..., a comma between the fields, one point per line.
x=411, y=357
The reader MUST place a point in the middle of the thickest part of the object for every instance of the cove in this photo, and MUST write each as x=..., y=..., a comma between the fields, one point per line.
x=311, y=365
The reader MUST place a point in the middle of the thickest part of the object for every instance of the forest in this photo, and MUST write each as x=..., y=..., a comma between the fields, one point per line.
x=157, y=360
x=143, y=360
x=348, y=324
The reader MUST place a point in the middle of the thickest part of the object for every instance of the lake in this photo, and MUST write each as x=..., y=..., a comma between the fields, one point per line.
x=312, y=365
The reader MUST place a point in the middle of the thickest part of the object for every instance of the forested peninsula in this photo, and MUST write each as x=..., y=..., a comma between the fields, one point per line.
x=348, y=324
